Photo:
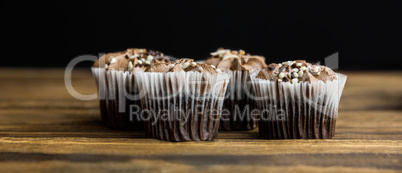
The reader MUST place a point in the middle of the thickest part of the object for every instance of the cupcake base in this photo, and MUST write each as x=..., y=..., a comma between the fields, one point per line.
x=313, y=126
x=115, y=106
x=182, y=106
x=188, y=125
x=238, y=103
x=300, y=110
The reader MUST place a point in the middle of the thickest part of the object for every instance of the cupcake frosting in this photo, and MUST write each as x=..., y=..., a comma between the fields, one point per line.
x=130, y=60
x=296, y=71
x=226, y=59
x=180, y=65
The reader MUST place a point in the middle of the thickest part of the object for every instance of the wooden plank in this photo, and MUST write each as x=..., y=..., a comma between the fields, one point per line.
x=203, y=155
x=236, y=147
x=146, y=165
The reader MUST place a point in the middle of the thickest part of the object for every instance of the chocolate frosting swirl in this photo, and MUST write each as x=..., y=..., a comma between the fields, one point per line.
x=296, y=71
x=180, y=65
x=225, y=59
x=133, y=59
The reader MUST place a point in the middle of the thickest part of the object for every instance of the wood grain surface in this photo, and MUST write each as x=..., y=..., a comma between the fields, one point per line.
x=44, y=129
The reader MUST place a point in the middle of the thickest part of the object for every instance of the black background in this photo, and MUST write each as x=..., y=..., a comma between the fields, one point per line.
x=366, y=34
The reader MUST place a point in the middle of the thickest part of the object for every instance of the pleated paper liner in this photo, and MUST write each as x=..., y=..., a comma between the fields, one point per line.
x=118, y=95
x=238, y=105
x=298, y=111
x=182, y=106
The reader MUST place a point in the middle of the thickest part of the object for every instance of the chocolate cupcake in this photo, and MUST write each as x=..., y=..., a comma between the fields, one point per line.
x=182, y=100
x=298, y=100
x=238, y=105
x=118, y=91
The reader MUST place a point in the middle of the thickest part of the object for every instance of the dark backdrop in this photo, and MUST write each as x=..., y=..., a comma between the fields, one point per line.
x=366, y=34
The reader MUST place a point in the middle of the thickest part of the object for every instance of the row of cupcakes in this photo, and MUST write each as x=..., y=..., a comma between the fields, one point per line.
x=182, y=100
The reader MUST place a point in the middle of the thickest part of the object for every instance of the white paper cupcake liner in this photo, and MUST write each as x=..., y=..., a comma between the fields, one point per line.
x=182, y=106
x=238, y=103
x=298, y=111
x=119, y=98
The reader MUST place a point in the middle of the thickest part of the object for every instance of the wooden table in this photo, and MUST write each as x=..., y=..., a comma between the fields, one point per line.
x=43, y=128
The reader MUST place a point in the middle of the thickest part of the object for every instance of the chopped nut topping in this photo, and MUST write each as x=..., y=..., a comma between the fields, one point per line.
x=279, y=80
x=301, y=73
x=106, y=66
x=113, y=61
x=295, y=75
x=185, y=65
x=221, y=53
x=129, y=59
x=194, y=63
x=214, y=53
x=303, y=68
x=316, y=69
x=227, y=53
x=229, y=56
x=281, y=75
x=149, y=58
x=289, y=63
x=213, y=66
x=134, y=56
x=130, y=65
x=219, y=71
x=171, y=66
